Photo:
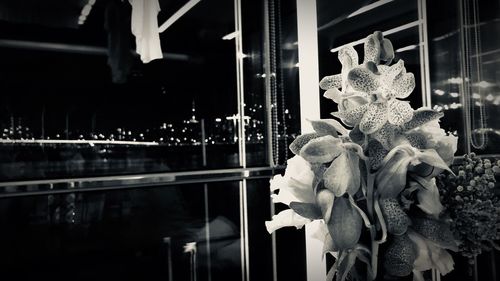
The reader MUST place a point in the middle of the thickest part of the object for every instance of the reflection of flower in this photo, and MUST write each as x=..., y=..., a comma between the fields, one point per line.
x=374, y=183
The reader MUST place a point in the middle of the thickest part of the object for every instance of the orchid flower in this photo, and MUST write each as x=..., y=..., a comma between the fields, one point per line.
x=294, y=186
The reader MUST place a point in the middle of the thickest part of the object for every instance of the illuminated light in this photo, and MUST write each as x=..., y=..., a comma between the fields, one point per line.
x=86, y=10
x=218, y=120
x=231, y=35
x=455, y=105
x=385, y=33
x=407, y=48
x=369, y=7
x=446, y=107
x=439, y=92
x=476, y=96
x=490, y=97
x=455, y=80
x=177, y=15
x=454, y=95
x=242, y=55
x=484, y=84
x=91, y=2
x=263, y=75
x=477, y=103
x=297, y=65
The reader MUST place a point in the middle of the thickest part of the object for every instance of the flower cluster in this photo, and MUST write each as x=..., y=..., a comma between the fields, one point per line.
x=471, y=203
x=371, y=180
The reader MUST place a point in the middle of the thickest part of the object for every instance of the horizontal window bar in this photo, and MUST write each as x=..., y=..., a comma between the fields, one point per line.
x=40, y=187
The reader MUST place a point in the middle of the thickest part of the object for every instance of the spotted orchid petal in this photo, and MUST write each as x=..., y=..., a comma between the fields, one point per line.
x=285, y=218
x=386, y=135
x=397, y=220
x=400, y=256
x=436, y=231
x=399, y=112
x=390, y=73
x=353, y=116
x=330, y=82
x=403, y=85
x=376, y=152
x=348, y=57
x=372, y=47
x=302, y=140
x=416, y=140
x=363, y=80
x=374, y=118
x=356, y=135
x=420, y=117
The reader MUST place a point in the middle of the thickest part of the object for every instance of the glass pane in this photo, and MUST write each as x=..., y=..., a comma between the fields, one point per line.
x=139, y=234
x=464, y=63
x=77, y=100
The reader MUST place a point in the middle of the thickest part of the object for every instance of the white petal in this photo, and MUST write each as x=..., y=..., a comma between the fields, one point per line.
x=285, y=218
x=428, y=198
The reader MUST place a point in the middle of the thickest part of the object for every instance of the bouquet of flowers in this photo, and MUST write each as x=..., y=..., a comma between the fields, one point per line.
x=472, y=205
x=369, y=183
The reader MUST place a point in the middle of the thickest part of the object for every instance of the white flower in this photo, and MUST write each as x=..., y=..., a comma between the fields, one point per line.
x=437, y=138
x=286, y=218
x=428, y=197
x=430, y=256
x=296, y=184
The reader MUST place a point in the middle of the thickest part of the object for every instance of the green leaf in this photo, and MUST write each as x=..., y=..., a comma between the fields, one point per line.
x=328, y=127
x=321, y=150
x=307, y=210
x=300, y=141
x=420, y=117
x=345, y=224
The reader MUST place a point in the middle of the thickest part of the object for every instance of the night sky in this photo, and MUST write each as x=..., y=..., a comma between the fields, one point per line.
x=32, y=81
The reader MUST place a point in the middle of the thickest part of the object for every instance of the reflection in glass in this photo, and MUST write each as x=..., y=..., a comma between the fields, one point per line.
x=77, y=101
x=464, y=67
x=124, y=235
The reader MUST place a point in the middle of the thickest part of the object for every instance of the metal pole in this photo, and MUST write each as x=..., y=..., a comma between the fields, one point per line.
x=203, y=143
